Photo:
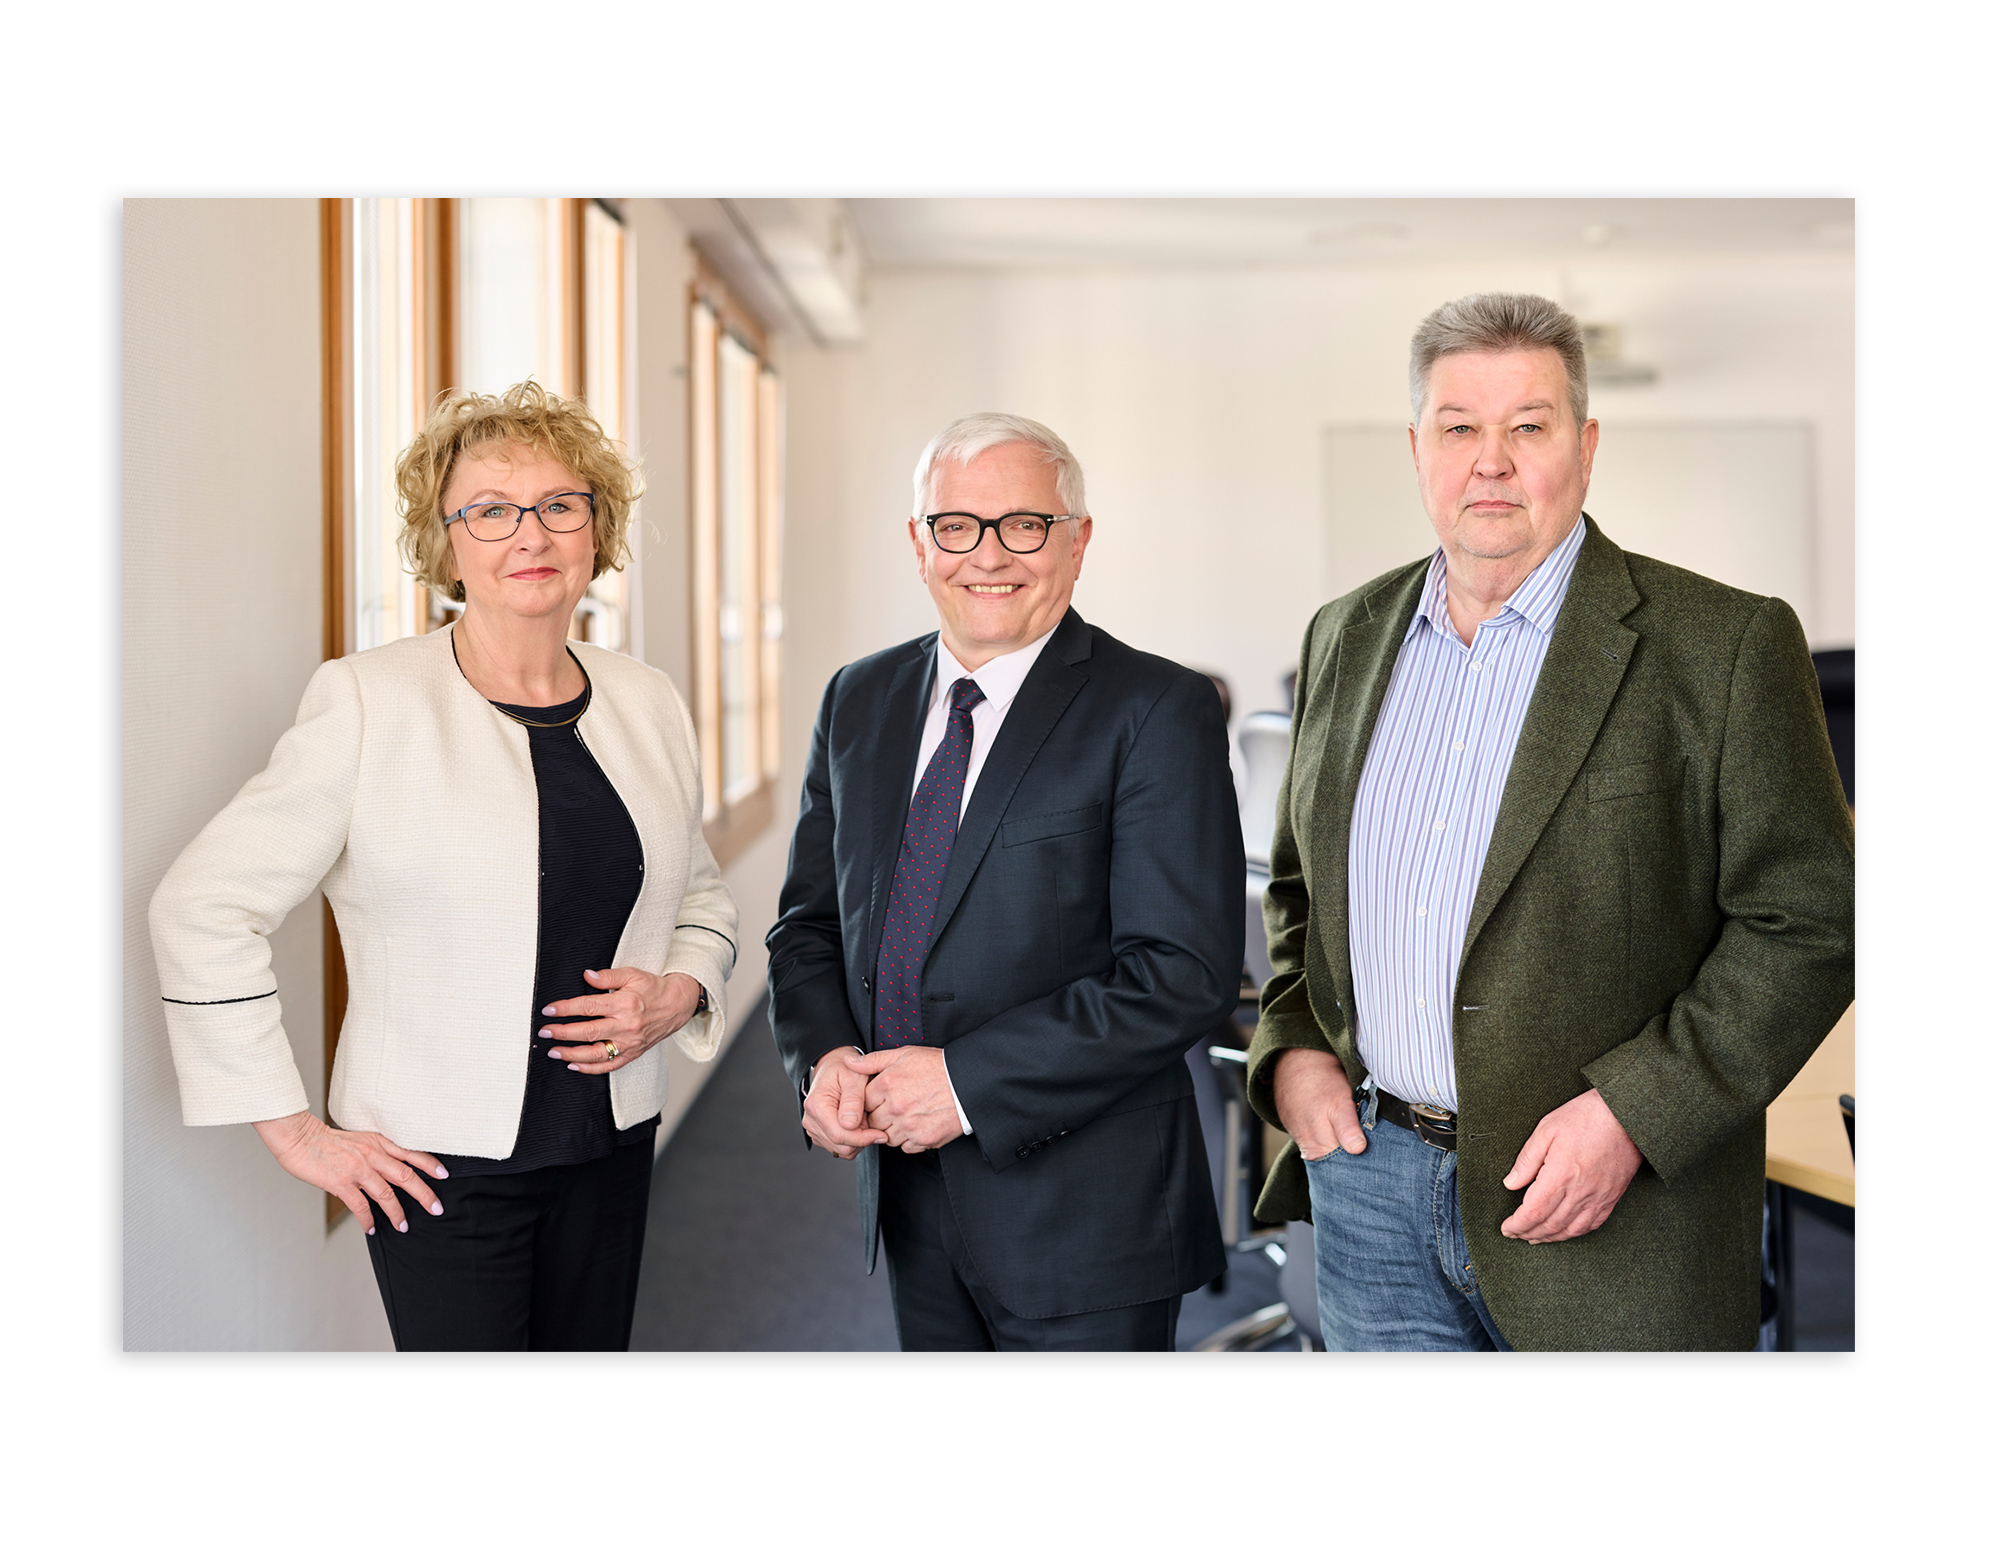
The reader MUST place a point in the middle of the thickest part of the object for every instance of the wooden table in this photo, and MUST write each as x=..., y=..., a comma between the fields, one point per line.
x=1805, y=1142
x=1805, y=1148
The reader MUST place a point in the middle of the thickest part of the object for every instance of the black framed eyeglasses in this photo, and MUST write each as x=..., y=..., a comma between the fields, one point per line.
x=1021, y=531
x=496, y=520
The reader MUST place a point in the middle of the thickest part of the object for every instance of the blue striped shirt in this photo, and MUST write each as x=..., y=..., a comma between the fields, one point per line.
x=1430, y=789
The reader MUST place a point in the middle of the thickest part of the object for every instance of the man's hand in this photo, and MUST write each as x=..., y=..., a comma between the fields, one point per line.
x=1316, y=1104
x=834, y=1106
x=1575, y=1167
x=909, y=1098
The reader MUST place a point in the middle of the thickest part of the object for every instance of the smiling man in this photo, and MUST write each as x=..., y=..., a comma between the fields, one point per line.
x=1012, y=905
x=1561, y=897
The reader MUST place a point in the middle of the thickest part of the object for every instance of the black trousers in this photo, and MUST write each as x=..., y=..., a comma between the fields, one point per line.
x=524, y=1261
x=942, y=1305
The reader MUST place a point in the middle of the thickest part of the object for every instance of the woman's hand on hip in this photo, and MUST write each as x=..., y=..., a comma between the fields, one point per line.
x=353, y=1166
x=635, y=1010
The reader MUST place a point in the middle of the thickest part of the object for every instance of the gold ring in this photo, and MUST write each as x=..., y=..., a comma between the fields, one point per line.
x=611, y=1050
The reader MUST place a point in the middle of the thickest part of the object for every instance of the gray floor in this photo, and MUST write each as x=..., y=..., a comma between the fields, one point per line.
x=753, y=1242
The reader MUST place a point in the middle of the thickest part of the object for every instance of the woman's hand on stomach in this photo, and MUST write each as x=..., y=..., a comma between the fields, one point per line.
x=635, y=1010
x=353, y=1166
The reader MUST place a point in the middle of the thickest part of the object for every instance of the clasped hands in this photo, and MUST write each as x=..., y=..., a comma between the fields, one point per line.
x=1575, y=1167
x=900, y=1097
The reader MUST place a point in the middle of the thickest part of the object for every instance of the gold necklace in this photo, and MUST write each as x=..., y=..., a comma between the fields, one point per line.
x=452, y=641
x=568, y=722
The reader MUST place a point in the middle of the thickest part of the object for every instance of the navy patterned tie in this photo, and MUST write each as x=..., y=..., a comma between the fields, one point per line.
x=913, y=895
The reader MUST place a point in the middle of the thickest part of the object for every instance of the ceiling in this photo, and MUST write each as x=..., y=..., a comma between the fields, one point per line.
x=1091, y=232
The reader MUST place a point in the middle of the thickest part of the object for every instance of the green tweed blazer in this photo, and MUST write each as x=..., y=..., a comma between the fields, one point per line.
x=1666, y=912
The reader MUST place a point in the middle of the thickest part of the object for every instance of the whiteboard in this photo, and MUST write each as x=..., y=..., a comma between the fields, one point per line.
x=1733, y=501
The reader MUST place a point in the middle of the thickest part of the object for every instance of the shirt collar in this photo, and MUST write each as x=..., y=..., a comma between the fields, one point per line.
x=1536, y=599
x=999, y=680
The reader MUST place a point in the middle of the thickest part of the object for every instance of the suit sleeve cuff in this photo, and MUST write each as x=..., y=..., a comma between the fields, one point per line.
x=234, y=1061
x=706, y=956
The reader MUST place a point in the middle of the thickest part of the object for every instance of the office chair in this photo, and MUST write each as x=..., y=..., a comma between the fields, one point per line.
x=1836, y=695
x=1245, y=1163
x=1247, y=1146
x=1264, y=739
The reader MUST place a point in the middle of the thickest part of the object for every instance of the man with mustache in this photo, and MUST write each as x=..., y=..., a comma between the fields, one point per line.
x=1561, y=898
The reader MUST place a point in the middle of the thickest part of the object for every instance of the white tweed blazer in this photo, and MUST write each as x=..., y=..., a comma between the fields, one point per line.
x=406, y=797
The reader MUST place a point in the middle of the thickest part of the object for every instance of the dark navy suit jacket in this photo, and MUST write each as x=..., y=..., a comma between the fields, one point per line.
x=1090, y=929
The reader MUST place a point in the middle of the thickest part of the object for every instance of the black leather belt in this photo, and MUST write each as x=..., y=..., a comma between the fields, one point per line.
x=1432, y=1125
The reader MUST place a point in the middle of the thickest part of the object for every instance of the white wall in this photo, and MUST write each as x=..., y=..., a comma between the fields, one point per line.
x=1196, y=399
x=222, y=630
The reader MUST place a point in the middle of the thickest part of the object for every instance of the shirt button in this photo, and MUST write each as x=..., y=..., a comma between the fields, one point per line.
x=1438, y=826
x=1420, y=911
x=1458, y=748
x=1478, y=667
x=1420, y=1003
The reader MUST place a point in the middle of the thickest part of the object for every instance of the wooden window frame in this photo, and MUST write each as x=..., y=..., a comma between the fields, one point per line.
x=731, y=825
x=333, y=461
x=617, y=415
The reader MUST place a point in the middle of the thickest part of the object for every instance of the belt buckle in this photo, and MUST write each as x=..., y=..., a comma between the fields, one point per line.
x=1428, y=1121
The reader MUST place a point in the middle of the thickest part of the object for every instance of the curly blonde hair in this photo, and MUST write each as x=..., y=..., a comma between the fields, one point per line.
x=464, y=423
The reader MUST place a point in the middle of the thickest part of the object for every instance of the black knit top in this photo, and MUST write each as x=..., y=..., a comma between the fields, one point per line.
x=591, y=867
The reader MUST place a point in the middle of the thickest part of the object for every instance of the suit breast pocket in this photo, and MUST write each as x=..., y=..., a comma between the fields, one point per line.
x=1633, y=781
x=1062, y=859
x=1645, y=853
x=1047, y=827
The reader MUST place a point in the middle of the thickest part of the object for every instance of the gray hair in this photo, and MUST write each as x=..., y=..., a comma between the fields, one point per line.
x=964, y=439
x=1499, y=323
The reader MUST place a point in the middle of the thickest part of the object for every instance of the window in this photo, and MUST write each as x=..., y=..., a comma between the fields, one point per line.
x=541, y=295
x=734, y=409
x=477, y=294
x=398, y=358
x=602, y=336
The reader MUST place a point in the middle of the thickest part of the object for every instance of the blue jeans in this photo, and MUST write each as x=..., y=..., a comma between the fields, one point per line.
x=1393, y=1271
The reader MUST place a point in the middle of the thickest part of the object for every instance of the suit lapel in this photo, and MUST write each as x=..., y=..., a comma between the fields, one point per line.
x=1589, y=652
x=1364, y=657
x=1045, y=694
x=892, y=776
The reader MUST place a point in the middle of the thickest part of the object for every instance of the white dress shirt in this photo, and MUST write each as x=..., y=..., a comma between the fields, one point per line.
x=999, y=681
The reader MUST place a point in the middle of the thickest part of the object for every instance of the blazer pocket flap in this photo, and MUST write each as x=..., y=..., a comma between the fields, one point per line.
x=1623, y=781
x=1039, y=827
